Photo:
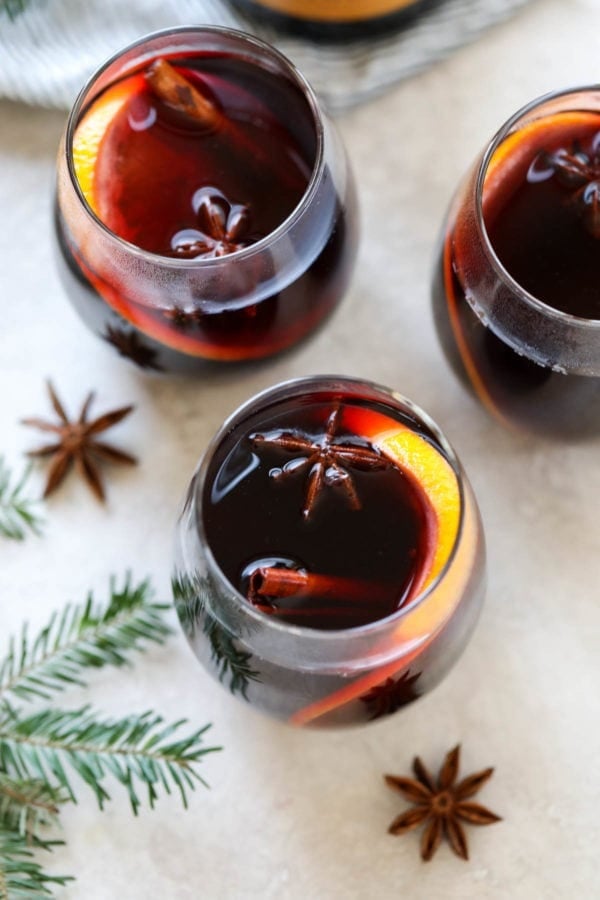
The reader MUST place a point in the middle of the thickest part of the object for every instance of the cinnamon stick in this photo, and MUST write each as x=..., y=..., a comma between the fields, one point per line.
x=278, y=582
x=179, y=93
x=275, y=582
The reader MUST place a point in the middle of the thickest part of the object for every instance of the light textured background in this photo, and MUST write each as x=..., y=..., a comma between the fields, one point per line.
x=295, y=815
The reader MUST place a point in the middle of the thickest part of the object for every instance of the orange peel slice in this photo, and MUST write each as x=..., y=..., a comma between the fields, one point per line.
x=435, y=478
x=507, y=167
x=429, y=471
x=91, y=130
x=514, y=154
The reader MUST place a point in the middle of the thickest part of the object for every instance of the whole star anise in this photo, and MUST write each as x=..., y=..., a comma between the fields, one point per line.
x=128, y=343
x=441, y=805
x=76, y=442
x=223, y=227
x=384, y=699
x=181, y=318
x=326, y=458
x=577, y=171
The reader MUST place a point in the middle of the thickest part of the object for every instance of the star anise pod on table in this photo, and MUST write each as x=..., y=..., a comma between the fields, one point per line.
x=76, y=442
x=441, y=805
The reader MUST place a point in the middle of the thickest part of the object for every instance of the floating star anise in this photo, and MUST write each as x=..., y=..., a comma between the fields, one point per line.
x=182, y=318
x=384, y=699
x=222, y=227
x=128, y=343
x=579, y=172
x=76, y=442
x=326, y=458
x=441, y=805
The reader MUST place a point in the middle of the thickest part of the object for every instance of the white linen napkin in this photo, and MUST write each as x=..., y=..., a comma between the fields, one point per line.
x=49, y=50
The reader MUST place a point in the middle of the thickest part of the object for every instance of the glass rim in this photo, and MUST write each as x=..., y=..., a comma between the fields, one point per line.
x=264, y=243
x=301, y=385
x=502, y=272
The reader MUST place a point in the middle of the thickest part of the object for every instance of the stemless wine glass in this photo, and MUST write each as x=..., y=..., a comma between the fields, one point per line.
x=323, y=674
x=336, y=21
x=532, y=359
x=221, y=288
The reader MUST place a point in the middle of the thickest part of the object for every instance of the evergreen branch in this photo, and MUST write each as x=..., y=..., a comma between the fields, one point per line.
x=135, y=750
x=28, y=806
x=231, y=662
x=85, y=636
x=189, y=598
x=20, y=875
x=18, y=513
x=12, y=8
x=192, y=596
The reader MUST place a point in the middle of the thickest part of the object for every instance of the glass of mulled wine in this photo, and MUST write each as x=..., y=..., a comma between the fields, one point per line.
x=329, y=555
x=205, y=208
x=336, y=21
x=516, y=289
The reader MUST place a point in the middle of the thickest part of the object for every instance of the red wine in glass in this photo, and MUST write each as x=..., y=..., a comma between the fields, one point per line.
x=329, y=555
x=205, y=208
x=516, y=296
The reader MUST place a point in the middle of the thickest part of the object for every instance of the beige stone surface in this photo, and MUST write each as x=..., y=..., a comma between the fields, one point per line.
x=295, y=815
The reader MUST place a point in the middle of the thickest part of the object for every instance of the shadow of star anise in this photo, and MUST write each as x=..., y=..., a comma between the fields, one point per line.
x=384, y=699
x=129, y=344
x=76, y=442
x=441, y=805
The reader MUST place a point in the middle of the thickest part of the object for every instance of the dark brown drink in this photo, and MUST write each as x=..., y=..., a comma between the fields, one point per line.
x=330, y=558
x=533, y=252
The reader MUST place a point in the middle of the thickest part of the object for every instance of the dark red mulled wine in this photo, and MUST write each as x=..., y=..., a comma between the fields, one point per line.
x=172, y=184
x=516, y=290
x=329, y=555
x=362, y=542
x=228, y=221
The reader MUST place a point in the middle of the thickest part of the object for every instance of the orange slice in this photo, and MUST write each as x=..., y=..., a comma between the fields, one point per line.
x=92, y=129
x=512, y=158
x=506, y=169
x=433, y=476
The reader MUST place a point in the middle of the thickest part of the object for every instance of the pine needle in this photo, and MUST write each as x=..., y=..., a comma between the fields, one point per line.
x=20, y=874
x=12, y=8
x=192, y=602
x=86, y=636
x=137, y=750
x=45, y=752
x=18, y=514
x=28, y=807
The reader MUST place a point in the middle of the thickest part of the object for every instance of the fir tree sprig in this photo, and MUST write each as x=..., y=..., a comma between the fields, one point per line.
x=192, y=598
x=20, y=874
x=13, y=8
x=83, y=637
x=134, y=750
x=18, y=512
x=42, y=749
x=28, y=806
